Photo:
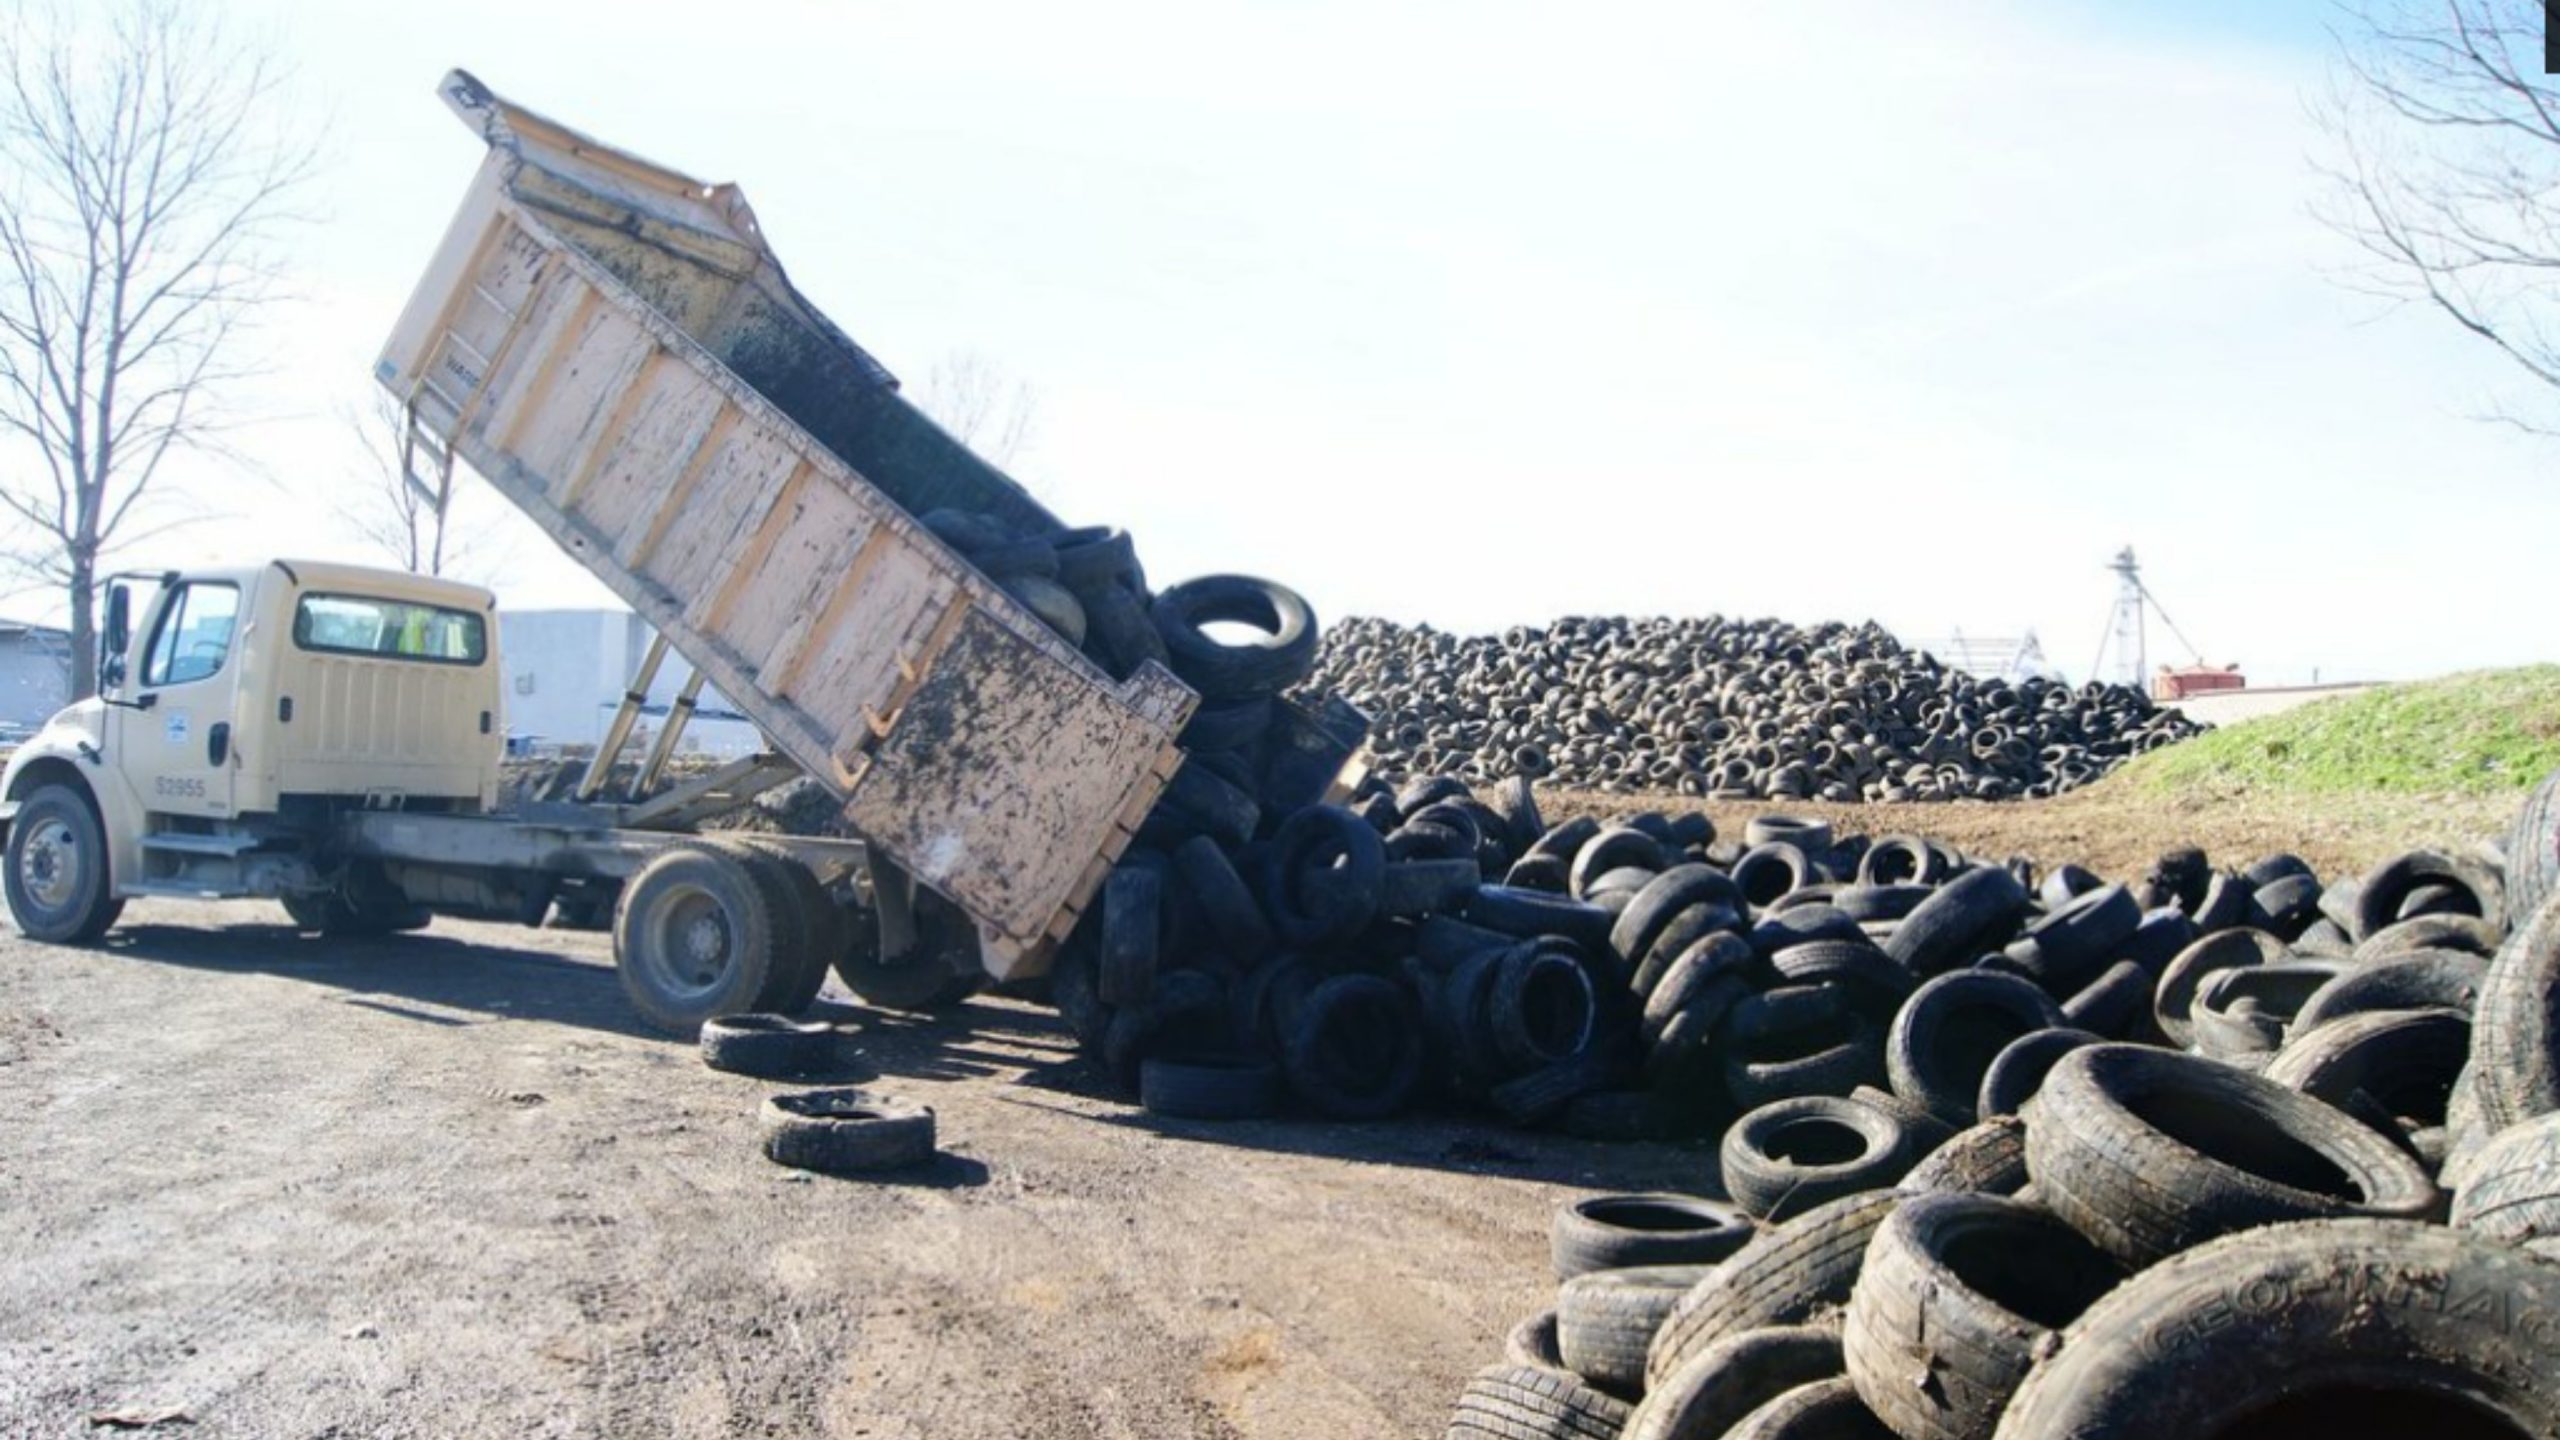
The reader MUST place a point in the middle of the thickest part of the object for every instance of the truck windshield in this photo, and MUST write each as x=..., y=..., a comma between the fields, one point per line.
x=389, y=629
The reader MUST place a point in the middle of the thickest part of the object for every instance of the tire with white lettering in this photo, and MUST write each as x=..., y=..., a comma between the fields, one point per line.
x=2380, y=1327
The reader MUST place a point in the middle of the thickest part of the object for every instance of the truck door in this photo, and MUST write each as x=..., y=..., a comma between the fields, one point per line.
x=176, y=732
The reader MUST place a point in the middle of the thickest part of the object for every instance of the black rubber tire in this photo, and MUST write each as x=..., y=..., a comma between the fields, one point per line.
x=686, y=889
x=1823, y=1065
x=1547, y=1092
x=2290, y=904
x=1326, y=868
x=2021, y=1066
x=1720, y=965
x=1788, y=1275
x=1808, y=925
x=2075, y=942
x=2174, y=998
x=2468, y=934
x=2227, y=903
x=1959, y=1298
x=1879, y=904
x=940, y=972
x=1097, y=555
x=2354, y=1314
x=1355, y=1051
x=766, y=1046
x=1517, y=802
x=1675, y=939
x=59, y=817
x=1513, y=1402
x=1116, y=623
x=1619, y=1232
x=1279, y=658
x=1075, y=987
x=1767, y=873
x=1811, y=836
x=1184, y=1014
x=846, y=1132
x=1564, y=839
x=2386, y=887
x=1132, y=933
x=1605, y=1321
x=1234, y=916
x=1727, y=1381
x=2404, y=1062
x=1533, y=1343
x=1785, y=1011
x=1952, y=1029
x=2533, y=852
x=1618, y=847
x=2511, y=1188
x=1423, y=887
x=1663, y=900
x=1898, y=860
x=1200, y=801
x=1227, y=724
x=2116, y=1005
x=2247, y=1011
x=1988, y=1159
x=824, y=926
x=1967, y=916
x=1201, y=1087
x=1542, y=1007
x=1824, y=1410
x=1791, y=1155
x=2515, y=1035
x=2148, y=1152
x=1529, y=913
x=1877, y=986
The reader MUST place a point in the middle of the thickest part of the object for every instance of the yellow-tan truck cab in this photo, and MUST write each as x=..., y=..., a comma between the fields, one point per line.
x=241, y=709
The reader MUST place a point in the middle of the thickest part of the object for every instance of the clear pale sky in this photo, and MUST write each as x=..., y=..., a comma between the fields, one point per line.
x=1483, y=313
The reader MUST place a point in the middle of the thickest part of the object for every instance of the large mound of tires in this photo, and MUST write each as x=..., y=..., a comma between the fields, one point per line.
x=1730, y=709
x=2009, y=1156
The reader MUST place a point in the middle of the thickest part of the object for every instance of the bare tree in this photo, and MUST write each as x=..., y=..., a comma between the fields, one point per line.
x=410, y=512
x=2447, y=166
x=142, y=189
x=983, y=408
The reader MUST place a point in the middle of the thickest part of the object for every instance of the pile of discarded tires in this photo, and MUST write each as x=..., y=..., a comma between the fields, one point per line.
x=1730, y=709
x=2212, y=1154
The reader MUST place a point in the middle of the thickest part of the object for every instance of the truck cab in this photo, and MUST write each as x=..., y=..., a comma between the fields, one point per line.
x=240, y=712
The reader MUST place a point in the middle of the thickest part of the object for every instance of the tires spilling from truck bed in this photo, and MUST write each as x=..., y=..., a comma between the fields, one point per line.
x=1732, y=709
x=2008, y=1155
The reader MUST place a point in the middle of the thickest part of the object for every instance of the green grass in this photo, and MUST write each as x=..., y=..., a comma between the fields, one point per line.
x=2488, y=732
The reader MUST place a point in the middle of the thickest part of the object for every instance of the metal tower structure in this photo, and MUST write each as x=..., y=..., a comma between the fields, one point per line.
x=2127, y=636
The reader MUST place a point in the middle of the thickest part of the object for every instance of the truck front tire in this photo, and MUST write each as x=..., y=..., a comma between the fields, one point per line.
x=57, y=880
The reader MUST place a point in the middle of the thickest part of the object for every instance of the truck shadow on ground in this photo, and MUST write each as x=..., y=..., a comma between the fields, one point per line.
x=429, y=978
x=433, y=979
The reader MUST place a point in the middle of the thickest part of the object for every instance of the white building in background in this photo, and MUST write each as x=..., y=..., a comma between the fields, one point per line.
x=35, y=674
x=565, y=672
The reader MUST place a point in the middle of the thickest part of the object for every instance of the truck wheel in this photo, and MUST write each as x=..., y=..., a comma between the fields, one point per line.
x=694, y=937
x=57, y=869
x=929, y=977
x=822, y=922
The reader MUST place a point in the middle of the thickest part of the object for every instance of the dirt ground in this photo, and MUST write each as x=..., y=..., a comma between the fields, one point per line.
x=444, y=1185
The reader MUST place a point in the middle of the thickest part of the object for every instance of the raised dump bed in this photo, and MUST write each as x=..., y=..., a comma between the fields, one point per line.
x=614, y=346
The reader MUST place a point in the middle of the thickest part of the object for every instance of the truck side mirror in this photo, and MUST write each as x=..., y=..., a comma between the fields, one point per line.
x=113, y=636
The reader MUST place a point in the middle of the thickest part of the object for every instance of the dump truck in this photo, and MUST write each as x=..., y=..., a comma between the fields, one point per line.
x=614, y=347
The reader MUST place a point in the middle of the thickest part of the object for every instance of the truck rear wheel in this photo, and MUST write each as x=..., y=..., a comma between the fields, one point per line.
x=57, y=880
x=941, y=971
x=336, y=915
x=695, y=937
